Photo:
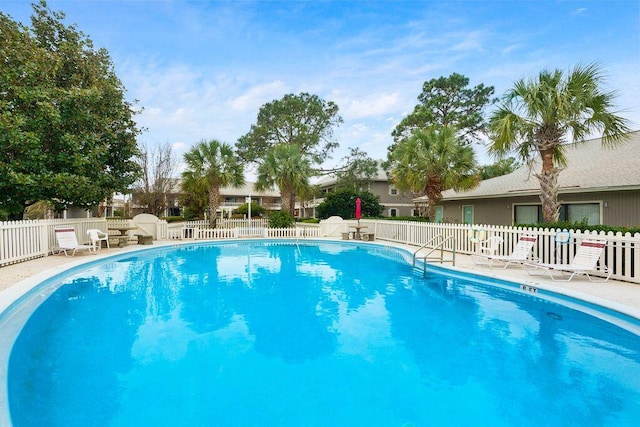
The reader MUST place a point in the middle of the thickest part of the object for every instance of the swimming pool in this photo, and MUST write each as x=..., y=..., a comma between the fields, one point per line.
x=316, y=333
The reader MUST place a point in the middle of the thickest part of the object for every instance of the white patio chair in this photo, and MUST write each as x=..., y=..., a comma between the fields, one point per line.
x=490, y=246
x=97, y=237
x=584, y=262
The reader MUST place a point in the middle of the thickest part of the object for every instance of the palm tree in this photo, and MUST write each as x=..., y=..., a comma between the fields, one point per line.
x=538, y=116
x=211, y=165
x=430, y=161
x=288, y=168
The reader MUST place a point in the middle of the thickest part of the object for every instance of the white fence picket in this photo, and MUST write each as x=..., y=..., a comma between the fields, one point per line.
x=24, y=240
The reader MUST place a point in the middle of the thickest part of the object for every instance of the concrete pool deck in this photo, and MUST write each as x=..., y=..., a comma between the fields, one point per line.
x=623, y=297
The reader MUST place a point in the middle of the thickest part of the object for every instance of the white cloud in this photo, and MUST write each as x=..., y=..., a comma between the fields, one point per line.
x=373, y=105
x=251, y=99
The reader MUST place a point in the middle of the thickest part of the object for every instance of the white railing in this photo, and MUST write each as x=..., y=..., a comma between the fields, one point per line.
x=24, y=240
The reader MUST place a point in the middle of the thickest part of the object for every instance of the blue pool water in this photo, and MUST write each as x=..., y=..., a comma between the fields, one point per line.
x=261, y=333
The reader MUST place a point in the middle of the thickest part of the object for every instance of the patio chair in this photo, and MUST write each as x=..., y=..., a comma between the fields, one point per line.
x=97, y=237
x=490, y=246
x=519, y=255
x=584, y=262
x=67, y=241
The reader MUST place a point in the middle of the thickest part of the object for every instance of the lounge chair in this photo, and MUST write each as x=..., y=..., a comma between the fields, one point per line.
x=97, y=237
x=68, y=241
x=519, y=255
x=584, y=262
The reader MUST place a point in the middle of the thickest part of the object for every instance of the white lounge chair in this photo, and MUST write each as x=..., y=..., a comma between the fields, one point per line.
x=584, y=262
x=97, y=237
x=68, y=241
x=519, y=255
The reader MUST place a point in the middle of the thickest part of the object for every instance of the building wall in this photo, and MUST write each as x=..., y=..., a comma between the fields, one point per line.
x=401, y=202
x=617, y=208
x=485, y=211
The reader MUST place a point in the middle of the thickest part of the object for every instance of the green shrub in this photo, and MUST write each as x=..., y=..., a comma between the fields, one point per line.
x=256, y=210
x=343, y=204
x=280, y=219
x=171, y=219
x=407, y=218
x=308, y=220
x=190, y=214
x=582, y=226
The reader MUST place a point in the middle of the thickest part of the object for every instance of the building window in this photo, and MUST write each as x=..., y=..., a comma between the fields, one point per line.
x=527, y=214
x=569, y=212
x=393, y=191
x=589, y=212
x=393, y=212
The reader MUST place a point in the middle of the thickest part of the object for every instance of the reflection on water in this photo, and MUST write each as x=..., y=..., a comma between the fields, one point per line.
x=328, y=334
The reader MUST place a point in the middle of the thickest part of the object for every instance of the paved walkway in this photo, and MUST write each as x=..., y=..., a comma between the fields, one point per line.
x=621, y=296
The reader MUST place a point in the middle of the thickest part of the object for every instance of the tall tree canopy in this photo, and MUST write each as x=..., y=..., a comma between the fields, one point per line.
x=67, y=134
x=288, y=168
x=430, y=161
x=210, y=166
x=499, y=168
x=538, y=116
x=359, y=170
x=303, y=124
x=448, y=102
x=303, y=120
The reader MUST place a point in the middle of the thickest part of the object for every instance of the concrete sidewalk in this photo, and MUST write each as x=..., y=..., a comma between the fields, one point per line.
x=620, y=296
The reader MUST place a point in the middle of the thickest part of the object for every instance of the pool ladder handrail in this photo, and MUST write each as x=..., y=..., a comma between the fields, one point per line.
x=440, y=246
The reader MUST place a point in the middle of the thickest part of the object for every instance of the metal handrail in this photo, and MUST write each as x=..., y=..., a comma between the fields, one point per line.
x=440, y=246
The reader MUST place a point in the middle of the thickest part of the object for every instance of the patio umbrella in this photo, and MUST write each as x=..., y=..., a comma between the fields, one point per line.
x=358, y=209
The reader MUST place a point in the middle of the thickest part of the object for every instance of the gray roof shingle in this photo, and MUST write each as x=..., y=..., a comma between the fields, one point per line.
x=590, y=167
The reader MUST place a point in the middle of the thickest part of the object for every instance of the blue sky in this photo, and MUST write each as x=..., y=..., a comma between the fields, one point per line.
x=202, y=69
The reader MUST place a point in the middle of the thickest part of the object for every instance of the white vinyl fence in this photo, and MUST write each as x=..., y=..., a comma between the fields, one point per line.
x=24, y=240
x=622, y=254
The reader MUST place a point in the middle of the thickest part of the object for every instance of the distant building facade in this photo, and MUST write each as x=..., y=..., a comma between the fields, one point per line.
x=396, y=203
x=599, y=185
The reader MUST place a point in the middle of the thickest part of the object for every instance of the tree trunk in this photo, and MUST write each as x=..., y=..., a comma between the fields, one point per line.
x=433, y=190
x=547, y=139
x=548, y=178
x=214, y=203
x=549, y=194
x=285, y=200
x=292, y=204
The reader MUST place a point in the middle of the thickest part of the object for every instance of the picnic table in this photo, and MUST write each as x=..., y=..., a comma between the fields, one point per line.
x=123, y=237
